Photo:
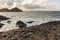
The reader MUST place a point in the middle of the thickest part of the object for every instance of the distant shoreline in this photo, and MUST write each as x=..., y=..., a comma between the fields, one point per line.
x=12, y=10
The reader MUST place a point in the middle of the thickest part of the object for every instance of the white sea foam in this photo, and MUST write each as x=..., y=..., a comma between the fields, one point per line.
x=12, y=25
x=37, y=17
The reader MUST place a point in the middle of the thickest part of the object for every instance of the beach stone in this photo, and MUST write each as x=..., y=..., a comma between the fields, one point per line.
x=45, y=31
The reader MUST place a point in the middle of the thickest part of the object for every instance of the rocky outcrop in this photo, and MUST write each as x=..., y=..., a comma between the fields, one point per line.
x=21, y=25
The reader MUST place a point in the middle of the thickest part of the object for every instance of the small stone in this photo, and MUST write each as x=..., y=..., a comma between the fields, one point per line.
x=30, y=21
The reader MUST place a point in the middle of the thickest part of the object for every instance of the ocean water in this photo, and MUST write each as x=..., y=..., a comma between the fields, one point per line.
x=37, y=17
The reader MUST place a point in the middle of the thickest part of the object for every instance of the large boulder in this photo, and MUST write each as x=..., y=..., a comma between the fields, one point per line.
x=21, y=24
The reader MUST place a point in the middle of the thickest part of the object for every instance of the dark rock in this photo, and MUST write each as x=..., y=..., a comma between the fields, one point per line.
x=1, y=25
x=16, y=10
x=30, y=21
x=21, y=24
x=3, y=18
x=8, y=21
x=4, y=10
x=12, y=10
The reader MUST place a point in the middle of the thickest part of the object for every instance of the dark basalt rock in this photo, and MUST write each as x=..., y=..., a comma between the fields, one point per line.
x=8, y=21
x=1, y=25
x=21, y=24
x=3, y=18
x=30, y=21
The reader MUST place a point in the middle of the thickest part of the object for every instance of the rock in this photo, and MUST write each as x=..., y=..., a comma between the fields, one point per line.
x=16, y=10
x=21, y=24
x=1, y=25
x=3, y=18
x=12, y=10
x=45, y=31
x=8, y=21
x=30, y=21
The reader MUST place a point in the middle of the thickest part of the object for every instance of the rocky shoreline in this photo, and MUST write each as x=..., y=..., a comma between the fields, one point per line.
x=45, y=31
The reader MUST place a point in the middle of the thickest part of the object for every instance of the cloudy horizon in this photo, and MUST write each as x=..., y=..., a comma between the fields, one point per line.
x=34, y=4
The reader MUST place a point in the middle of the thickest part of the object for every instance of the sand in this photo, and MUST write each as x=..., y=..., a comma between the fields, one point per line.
x=45, y=31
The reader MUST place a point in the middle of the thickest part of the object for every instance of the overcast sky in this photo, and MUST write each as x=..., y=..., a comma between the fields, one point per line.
x=55, y=2
x=51, y=2
x=36, y=3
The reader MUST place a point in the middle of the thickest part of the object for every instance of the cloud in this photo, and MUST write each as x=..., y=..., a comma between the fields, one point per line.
x=9, y=2
x=33, y=6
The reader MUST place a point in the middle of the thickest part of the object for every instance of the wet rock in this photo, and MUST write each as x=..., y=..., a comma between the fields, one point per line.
x=3, y=18
x=8, y=21
x=30, y=21
x=1, y=25
x=21, y=24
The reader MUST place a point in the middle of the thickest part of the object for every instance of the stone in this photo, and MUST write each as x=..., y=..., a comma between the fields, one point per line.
x=21, y=24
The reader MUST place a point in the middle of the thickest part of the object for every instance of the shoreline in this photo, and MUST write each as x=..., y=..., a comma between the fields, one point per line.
x=31, y=32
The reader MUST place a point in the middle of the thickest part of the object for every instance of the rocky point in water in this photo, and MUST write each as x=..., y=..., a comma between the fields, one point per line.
x=3, y=18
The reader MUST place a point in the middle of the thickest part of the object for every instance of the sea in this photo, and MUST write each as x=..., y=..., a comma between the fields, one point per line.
x=39, y=17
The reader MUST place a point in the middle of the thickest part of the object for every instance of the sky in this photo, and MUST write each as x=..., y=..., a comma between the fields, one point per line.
x=42, y=3
x=36, y=4
x=55, y=2
x=51, y=2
